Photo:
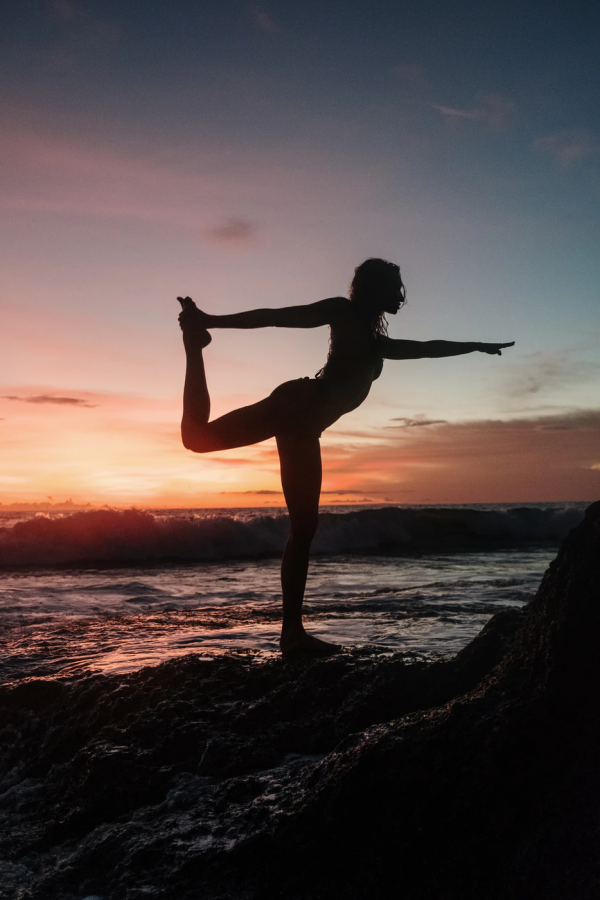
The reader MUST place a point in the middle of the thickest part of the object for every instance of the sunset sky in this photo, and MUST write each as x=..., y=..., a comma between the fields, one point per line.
x=253, y=155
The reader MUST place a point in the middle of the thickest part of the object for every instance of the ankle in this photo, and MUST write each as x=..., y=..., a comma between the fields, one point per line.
x=291, y=631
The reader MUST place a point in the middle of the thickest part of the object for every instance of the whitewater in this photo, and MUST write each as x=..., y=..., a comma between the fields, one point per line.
x=113, y=591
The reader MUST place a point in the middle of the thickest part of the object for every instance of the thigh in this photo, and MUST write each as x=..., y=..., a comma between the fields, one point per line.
x=292, y=408
x=301, y=472
x=241, y=427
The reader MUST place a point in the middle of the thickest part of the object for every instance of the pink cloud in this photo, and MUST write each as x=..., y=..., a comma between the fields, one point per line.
x=51, y=399
x=233, y=233
x=186, y=186
x=418, y=422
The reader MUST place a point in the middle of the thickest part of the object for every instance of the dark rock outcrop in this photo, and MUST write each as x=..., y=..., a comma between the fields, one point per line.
x=360, y=776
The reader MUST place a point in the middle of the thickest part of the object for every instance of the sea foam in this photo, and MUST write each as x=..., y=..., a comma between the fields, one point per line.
x=117, y=536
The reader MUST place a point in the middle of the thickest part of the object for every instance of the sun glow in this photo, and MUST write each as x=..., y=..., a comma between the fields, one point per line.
x=125, y=450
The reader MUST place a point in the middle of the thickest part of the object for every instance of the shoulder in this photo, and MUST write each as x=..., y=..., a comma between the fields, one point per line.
x=337, y=307
x=384, y=345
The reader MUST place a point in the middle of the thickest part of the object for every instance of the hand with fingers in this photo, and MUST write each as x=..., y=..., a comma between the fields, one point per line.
x=495, y=349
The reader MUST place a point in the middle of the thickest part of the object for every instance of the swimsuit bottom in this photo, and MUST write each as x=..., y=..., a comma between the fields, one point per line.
x=304, y=407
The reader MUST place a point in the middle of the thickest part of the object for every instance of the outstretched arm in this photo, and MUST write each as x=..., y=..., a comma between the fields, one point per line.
x=394, y=349
x=313, y=315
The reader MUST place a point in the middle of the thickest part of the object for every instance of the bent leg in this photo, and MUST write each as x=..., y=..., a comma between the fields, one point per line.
x=300, y=459
x=196, y=399
x=239, y=428
x=248, y=425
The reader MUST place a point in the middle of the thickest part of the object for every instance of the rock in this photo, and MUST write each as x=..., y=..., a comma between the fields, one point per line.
x=357, y=776
x=495, y=794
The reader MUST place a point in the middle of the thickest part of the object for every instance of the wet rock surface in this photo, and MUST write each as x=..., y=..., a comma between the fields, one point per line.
x=358, y=776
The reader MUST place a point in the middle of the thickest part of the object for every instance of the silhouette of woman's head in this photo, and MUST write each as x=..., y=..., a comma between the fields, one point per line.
x=377, y=289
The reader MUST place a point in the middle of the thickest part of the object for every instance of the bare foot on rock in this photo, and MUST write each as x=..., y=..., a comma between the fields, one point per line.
x=304, y=644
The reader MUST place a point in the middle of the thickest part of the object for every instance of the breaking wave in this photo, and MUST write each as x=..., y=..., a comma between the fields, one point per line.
x=113, y=536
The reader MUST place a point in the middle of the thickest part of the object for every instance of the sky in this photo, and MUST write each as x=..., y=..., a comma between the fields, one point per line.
x=253, y=155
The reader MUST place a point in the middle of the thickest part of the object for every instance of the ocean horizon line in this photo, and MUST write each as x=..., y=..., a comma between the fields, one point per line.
x=74, y=506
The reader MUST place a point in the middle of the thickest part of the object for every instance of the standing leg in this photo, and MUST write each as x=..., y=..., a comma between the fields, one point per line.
x=300, y=459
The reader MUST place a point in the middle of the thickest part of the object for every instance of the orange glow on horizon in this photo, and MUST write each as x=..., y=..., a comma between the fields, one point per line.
x=122, y=451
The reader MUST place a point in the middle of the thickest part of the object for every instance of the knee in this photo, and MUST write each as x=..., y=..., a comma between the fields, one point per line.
x=195, y=440
x=303, y=532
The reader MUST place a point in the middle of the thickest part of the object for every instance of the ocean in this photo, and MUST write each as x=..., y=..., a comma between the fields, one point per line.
x=113, y=591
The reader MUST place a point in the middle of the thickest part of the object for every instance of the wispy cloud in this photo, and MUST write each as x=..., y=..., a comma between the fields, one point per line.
x=339, y=492
x=264, y=21
x=568, y=147
x=233, y=233
x=343, y=492
x=418, y=422
x=254, y=493
x=51, y=399
x=492, y=110
x=539, y=372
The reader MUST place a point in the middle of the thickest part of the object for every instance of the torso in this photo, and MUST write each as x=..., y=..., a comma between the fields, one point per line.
x=354, y=360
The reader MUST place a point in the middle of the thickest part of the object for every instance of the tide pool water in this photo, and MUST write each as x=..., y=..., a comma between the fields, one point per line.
x=116, y=620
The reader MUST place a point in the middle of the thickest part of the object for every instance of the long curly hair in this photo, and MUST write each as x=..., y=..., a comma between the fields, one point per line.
x=373, y=277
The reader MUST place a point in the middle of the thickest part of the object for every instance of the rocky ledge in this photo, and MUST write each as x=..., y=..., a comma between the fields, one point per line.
x=362, y=776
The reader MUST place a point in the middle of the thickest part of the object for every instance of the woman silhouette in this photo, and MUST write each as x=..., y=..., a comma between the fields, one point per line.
x=297, y=412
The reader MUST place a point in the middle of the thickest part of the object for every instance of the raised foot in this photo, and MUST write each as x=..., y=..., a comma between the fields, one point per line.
x=191, y=320
x=307, y=645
